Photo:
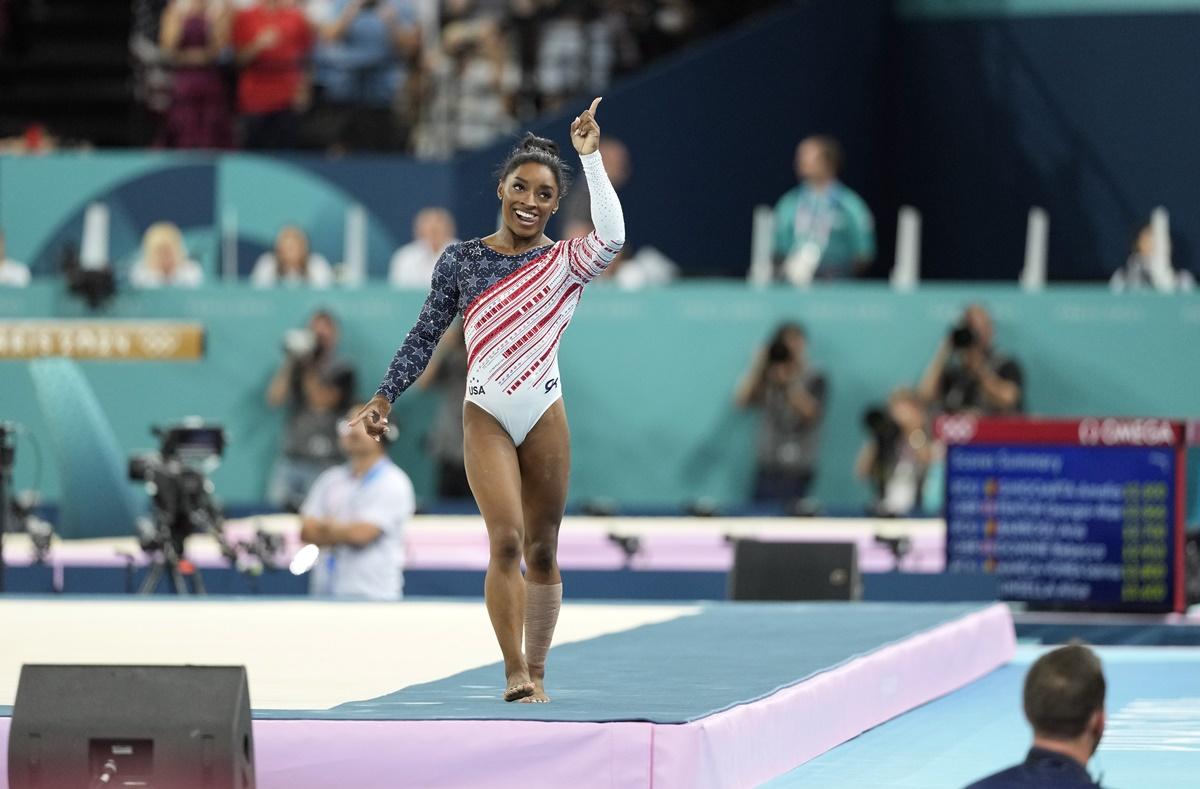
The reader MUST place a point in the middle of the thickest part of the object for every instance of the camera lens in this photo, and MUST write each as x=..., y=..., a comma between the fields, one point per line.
x=962, y=337
x=778, y=352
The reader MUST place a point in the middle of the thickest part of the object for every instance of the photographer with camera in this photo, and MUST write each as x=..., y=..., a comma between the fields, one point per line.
x=316, y=384
x=966, y=373
x=791, y=395
x=897, y=453
x=356, y=513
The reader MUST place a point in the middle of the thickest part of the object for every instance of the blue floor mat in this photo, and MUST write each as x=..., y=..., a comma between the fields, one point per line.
x=1152, y=738
x=672, y=672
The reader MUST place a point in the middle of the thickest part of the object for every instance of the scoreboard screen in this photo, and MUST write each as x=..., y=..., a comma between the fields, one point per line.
x=1068, y=513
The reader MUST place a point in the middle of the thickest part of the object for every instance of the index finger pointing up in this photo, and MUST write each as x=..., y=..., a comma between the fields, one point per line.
x=595, y=104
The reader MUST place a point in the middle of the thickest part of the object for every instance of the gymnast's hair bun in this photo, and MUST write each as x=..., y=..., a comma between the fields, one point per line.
x=532, y=148
x=531, y=142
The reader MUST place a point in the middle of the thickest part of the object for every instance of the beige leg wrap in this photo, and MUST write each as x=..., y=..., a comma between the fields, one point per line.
x=542, y=603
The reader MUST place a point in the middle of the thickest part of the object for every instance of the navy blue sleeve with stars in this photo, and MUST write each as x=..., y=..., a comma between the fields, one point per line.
x=441, y=307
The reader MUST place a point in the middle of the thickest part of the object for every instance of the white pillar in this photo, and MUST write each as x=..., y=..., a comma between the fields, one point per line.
x=354, y=251
x=229, y=244
x=1037, y=232
x=93, y=252
x=761, y=242
x=906, y=271
x=1161, y=273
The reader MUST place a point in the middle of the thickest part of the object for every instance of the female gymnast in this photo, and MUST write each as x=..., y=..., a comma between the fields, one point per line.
x=516, y=290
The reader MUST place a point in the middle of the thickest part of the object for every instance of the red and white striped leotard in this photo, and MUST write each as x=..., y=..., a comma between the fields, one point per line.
x=515, y=309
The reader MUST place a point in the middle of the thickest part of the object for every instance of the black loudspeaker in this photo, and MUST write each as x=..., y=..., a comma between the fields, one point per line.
x=155, y=727
x=794, y=571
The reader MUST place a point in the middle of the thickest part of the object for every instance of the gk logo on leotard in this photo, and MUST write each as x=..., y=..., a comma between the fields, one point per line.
x=553, y=382
x=477, y=390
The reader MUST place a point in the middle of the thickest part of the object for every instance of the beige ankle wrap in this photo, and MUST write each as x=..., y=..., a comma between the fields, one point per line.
x=542, y=603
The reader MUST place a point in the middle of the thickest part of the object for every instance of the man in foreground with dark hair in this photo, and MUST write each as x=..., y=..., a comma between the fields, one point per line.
x=1064, y=703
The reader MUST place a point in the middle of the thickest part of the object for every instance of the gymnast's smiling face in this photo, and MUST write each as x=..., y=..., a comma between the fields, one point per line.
x=528, y=195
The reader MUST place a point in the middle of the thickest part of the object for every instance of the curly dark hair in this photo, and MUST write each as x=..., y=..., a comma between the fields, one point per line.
x=532, y=148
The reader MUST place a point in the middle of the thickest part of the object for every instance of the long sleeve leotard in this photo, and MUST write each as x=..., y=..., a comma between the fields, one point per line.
x=515, y=307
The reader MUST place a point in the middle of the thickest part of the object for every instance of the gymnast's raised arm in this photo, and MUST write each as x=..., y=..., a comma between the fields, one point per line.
x=590, y=255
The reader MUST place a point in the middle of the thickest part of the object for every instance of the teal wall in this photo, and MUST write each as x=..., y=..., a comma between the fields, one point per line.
x=647, y=376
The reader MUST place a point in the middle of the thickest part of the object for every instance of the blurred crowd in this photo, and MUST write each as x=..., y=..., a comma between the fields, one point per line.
x=426, y=76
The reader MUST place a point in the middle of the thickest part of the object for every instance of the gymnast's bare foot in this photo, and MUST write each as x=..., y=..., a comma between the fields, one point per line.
x=539, y=690
x=520, y=686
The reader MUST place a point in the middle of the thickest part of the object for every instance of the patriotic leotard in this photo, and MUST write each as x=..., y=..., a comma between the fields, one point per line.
x=515, y=309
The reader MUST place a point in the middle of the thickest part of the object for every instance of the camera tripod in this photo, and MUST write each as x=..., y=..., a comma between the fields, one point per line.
x=169, y=561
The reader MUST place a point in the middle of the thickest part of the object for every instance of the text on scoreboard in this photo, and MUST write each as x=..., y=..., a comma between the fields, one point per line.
x=1061, y=516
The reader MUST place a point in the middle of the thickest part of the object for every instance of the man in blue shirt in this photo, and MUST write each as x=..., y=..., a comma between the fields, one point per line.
x=1064, y=703
x=823, y=230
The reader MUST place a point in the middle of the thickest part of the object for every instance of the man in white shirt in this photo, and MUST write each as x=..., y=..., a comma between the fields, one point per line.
x=412, y=265
x=356, y=513
x=12, y=273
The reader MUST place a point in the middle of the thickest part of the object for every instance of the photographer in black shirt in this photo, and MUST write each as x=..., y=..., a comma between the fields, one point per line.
x=968, y=375
x=791, y=395
x=316, y=385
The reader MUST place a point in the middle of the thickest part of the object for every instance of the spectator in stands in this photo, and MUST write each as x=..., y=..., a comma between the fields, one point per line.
x=1138, y=271
x=791, y=394
x=193, y=35
x=362, y=62
x=12, y=273
x=37, y=139
x=291, y=262
x=664, y=25
x=897, y=453
x=563, y=52
x=966, y=373
x=477, y=83
x=356, y=513
x=316, y=385
x=823, y=230
x=447, y=373
x=412, y=264
x=273, y=40
x=164, y=261
x=1064, y=703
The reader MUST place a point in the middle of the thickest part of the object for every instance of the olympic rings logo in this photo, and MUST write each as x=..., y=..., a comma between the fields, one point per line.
x=956, y=429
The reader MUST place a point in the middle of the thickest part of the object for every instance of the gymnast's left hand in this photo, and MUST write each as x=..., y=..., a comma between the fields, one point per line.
x=585, y=132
